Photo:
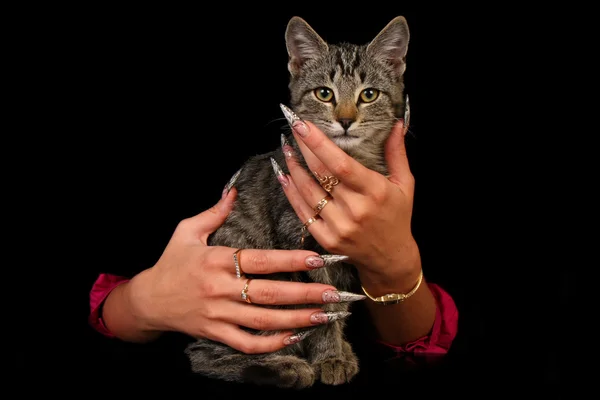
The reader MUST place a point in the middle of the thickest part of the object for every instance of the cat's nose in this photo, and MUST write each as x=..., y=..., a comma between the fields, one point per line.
x=345, y=122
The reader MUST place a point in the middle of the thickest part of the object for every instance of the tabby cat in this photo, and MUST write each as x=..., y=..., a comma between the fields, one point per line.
x=355, y=94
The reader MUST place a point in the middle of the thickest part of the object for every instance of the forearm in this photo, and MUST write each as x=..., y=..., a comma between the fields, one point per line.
x=122, y=318
x=409, y=320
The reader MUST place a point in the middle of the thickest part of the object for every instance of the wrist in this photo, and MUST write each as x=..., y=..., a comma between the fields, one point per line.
x=138, y=297
x=400, y=275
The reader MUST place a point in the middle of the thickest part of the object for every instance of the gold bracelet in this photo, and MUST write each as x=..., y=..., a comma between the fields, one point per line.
x=394, y=298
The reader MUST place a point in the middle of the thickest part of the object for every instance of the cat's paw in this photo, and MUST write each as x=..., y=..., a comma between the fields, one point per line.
x=337, y=370
x=282, y=371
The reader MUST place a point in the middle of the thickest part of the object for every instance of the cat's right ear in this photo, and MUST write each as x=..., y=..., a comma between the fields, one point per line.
x=391, y=44
x=303, y=44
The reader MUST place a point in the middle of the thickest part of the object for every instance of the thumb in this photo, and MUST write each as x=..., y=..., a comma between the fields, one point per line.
x=209, y=220
x=395, y=155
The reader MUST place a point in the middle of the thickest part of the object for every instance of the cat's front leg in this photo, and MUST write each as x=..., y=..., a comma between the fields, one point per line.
x=330, y=354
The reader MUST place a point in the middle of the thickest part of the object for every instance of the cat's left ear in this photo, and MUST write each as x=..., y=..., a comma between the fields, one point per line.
x=391, y=44
x=303, y=44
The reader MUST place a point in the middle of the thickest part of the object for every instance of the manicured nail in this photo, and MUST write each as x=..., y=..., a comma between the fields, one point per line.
x=279, y=173
x=295, y=122
x=295, y=338
x=324, y=260
x=231, y=182
x=326, y=317
x=288, y=152
x=314, y=262
x=291, y=116
x=335, y=296
x=406, y=114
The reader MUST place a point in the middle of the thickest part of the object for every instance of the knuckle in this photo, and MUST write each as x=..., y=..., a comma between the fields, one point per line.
x=248, y=347
x=183, y=224
x=345, y=232
x=311, y=295
x=260, y=263
x=317, y=142
x=207, y=289
x=261, y=322
x=358, y=213
x=293, y=162
x=321, y=170
x=297, y=263
x=214, y=210
x=342, y=170
x=306, y=191
x=379, y=193
x=209, y=313
x=208, y=259
x=330, y=243
x=269, y=295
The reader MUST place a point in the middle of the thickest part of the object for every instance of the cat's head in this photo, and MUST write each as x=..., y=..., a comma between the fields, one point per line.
x=354, y=93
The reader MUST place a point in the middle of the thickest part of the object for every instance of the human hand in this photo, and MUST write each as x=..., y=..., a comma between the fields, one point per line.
x=368, y=216
x=193, y=289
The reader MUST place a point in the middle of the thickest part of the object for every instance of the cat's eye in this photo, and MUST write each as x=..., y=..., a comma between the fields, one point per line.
x=369, y=95
x=324, y=94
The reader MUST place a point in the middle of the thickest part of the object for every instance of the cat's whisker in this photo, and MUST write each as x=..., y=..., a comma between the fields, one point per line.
x=285, y=126
x=277, y=119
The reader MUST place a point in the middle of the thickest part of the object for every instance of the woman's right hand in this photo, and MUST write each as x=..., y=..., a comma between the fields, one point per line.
x=193, y=289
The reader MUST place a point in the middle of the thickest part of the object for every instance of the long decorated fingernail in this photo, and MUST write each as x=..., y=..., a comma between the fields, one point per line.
x=335, y=296
x=295, y=338
x=288, y=152
x=231, y=182
x=295, y=122
x=279, y=173
x=324, y=260
x=326, y=317
x=406, y=113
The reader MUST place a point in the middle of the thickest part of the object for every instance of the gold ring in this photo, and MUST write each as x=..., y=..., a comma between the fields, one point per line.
x=245, y=295
x=327, y=182
x=321, y=204
x=238, y=268
x=310, y=221
x=304, y=231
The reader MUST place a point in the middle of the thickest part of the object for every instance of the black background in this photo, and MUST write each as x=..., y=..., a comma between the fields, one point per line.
x=165, y=104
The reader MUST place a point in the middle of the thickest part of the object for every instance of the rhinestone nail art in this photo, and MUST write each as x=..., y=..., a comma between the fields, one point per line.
x=327, y=317
x=285, y=146
x=333, y=296
x=289, y=114
x=295, y=338
x=279, y=173
x=406, y=113
x=233, y=179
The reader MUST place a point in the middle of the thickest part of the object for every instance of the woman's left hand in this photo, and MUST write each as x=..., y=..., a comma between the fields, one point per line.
x=367, y=216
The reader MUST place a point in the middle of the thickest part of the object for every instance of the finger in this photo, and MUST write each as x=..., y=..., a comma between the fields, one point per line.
x=209, y=220
x=258, y=261
x=349, y=171
x=248, y=343
x=272, y=292
x=269, y=319
x=315, y=224
x=314, y=164
x=308, y=189
x=395, y=155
